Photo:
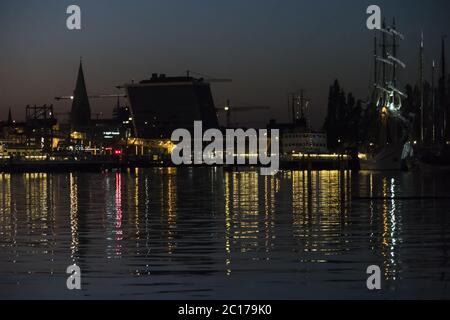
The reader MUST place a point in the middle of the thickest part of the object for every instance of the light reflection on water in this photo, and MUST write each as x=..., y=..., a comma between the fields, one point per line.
x=205, y=233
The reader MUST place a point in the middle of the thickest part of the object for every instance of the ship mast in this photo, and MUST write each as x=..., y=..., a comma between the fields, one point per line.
x=375, y=62
x=388, y=87
x=384, y=54
x=421, y=92
x=433, y=97
x=443, y=91
x=394, y=54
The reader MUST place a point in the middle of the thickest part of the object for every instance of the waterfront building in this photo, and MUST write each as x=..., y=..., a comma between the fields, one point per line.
x=295, y=141
x=298, y=138
x=163, y=104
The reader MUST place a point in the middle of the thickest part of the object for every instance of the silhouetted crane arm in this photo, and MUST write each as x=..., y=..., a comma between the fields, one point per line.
x=242, y=109
x=101, y=96
x=229, y=109
x=208, y=78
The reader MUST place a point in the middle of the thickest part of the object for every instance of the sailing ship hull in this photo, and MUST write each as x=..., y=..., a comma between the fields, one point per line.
x=433, y=160
x=388, y=158
x=426, y=167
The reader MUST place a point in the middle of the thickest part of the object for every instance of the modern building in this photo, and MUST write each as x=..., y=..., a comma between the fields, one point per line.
x=163, y=104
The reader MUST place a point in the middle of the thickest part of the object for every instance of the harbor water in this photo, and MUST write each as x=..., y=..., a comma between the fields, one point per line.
x=203, y=233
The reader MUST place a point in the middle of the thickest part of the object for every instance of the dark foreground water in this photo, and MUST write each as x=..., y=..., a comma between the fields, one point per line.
x=207, y=234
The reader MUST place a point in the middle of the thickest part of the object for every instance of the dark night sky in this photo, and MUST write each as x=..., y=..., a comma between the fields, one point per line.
x=268, y=47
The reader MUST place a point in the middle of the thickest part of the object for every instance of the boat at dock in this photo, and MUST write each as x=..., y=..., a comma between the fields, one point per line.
x=432, y=151
x=387, y=158
x=431, y=159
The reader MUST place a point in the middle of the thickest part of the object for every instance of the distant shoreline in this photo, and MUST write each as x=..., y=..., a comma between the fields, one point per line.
x=48, y=166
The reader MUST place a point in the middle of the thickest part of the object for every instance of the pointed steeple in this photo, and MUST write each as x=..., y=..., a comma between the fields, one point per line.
x=10, y=120
x=81, y=110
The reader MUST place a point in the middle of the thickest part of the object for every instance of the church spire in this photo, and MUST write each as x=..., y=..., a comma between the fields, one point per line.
x=81, y=110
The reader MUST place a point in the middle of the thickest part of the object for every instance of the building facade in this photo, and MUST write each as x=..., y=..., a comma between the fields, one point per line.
x=163, y=104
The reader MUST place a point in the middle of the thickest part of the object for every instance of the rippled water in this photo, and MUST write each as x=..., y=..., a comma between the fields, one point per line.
x=205, y=233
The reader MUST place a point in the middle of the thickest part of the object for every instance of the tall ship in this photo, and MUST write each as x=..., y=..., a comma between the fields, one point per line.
x=386, y=145
x=432, y=150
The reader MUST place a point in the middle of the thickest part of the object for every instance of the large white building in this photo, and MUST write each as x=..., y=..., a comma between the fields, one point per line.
x=303, y=142
x=298, y=138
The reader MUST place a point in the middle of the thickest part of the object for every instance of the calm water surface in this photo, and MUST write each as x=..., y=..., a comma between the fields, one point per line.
x=208, y=234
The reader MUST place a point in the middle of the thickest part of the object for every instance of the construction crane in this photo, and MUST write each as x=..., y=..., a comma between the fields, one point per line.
x=98, y=115
x=207, y=78
x=229, y=110
x=101, y=96
x=66, y=114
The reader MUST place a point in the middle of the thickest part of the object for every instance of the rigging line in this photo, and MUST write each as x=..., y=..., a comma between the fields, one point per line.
x=371, y=78
x=371, y=84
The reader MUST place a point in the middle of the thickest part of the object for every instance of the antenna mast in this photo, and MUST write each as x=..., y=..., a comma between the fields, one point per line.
x=444, y=90
x=376, y=61
x=384, y=54
x=394, y=54
x=421, y=92
x=433, y=96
